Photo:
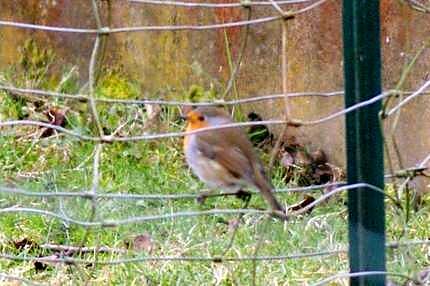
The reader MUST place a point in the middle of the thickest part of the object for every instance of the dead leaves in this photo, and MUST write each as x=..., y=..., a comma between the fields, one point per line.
x=307, y=168
x=143, y=242
x=55, y=117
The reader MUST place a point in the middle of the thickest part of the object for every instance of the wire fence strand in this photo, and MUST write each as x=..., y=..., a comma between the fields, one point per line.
x=95, y=193
x=186, y=214
x=108, y=30
x=217, y=5
x=217, y=259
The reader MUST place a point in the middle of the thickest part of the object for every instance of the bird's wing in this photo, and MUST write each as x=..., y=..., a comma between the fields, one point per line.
x=231, y=149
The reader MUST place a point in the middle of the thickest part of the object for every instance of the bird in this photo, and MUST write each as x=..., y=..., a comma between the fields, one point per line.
x=225, y=158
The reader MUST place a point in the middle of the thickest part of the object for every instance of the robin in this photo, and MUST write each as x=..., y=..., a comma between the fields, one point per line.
x=225, y=158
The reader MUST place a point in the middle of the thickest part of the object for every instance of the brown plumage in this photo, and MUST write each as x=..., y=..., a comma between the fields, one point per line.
x=225, y=158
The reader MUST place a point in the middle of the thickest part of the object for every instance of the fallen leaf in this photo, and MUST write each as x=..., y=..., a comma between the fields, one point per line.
x=39, y=266
x=322, y=174
x=302, y=204
x=233, y=224
x=301, y=158
x=287, y=160
x=56, y=117
x=143, y=242
x=25, y=243
x=424, y=276
x=319, y=157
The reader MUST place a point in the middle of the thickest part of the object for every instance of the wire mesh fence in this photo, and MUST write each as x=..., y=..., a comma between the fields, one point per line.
x=282, y=14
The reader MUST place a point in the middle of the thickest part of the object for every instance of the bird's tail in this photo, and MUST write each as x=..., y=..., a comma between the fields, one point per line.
x=266, y=191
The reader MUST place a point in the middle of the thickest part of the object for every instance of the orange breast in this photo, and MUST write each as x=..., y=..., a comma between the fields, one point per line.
x=193, y=126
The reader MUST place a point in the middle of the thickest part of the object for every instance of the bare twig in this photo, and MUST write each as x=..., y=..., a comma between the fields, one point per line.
x=284, y=78
x=236, y=67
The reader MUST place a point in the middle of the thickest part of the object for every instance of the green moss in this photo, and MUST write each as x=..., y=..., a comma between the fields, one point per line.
x=115, y=84
x=197, y=93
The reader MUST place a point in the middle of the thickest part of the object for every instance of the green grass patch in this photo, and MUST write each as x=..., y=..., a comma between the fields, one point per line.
x=64, y=164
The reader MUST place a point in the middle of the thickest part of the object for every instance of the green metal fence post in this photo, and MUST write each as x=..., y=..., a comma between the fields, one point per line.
x=362, y=68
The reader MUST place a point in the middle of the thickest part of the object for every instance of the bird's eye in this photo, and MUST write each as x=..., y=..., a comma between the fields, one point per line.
x=201, y=118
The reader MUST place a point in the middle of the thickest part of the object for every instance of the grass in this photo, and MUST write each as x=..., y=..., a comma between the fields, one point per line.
x=60, y=163
x=56, y=164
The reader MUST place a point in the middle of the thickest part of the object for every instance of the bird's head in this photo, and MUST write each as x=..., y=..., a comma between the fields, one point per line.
x=205, y=116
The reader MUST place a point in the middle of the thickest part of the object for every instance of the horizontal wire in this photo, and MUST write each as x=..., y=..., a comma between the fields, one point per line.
x=84, y=249
x=125, y=196
x=109, y=138
x=108, y=30
x=173, y=258
x=219, y=259
x=132, y=220
x=251, y=99
x=192, y=196
x=106, y=249
x=185, y=214
x=83, y=97
x=417, y=93
x=216, y=5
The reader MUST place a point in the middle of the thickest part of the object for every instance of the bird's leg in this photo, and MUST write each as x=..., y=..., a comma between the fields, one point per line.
x=240, y=194
x=243, y=195
x=201, y=198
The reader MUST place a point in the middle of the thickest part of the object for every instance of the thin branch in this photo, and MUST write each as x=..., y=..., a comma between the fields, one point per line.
x=336, y=191
x=284, y=80
x=414, y=4
x=237, y=65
